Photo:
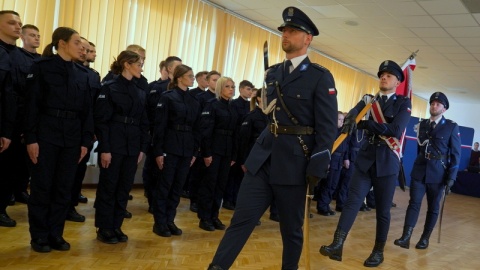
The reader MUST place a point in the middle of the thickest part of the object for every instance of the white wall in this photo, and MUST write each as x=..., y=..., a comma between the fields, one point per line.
x=467, y=115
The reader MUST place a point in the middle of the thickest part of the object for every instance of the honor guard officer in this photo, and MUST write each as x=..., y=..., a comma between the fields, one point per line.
x=295, y=145
x=58, y=132
x=378, y=161
x=435, y=167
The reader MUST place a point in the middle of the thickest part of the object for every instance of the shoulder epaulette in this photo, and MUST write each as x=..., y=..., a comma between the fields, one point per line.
x=108, y=82
x=320, y=67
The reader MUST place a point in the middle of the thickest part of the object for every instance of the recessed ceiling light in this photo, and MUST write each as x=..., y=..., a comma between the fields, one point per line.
x=351, y=23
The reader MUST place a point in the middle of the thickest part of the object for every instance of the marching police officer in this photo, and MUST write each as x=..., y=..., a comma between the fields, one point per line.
x=58, y=131
x=378, y=161
x=176, y=141
x=435, y=167
x=296, y=145
x=121, y=127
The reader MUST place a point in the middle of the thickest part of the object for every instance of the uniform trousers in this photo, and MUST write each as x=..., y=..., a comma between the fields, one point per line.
x=114, y=185
x=233, y=185
x=14, y=171
x=383, y=188
x=79, y=175
x=327, y=188
x=418, y=189
x=212, y=187
x=166, y=195
x=51, y=188
x=194, y=178
x=343, y=184
x=255, y=196
x=149, y=174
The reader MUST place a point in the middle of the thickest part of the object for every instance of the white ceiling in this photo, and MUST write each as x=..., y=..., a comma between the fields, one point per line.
x=445, y=32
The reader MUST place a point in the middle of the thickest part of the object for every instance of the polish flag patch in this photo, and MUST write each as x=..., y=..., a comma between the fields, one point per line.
x=331, y=91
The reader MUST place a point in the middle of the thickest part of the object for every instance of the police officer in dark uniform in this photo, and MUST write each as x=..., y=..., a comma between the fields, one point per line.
x=15, y=64
x=150, y=172
x=435, y=167
x=202, y=84
x=197, y=171
x=121, y=127
x=327, y=186
x=94, y=83
x=278, y=166
x=176, y=140
x=219, y=149
x=58, y=131
x=242, y=106
x=346, y=174
x=378, y=161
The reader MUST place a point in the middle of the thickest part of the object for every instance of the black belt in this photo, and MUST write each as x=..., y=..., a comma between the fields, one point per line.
x=376, y=140
x=292, y=130
x=224, y=132
x=125, y=119
x=338, y=154
x=61, y=113
x=432, y=156
x=178, y=127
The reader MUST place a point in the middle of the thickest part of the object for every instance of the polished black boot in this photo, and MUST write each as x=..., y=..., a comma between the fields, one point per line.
x=423, y=242
x=214, y=267
x=404, y=241
x=334, y=250
x=376, y=257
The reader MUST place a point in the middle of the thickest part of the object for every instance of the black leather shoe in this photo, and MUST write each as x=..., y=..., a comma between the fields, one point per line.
x=58, y=243
x=327, y=213
x=259, y=223
x=40, y=245
x=217, y=223
x=365, y=208
x=74, y=216
x=11, y=201
x=394, y=204
x=120, y=235
x=228, y=205
x=193, y=207
x=107, y=236
x=206, y=225
x=6, y=221
x=22, y=197
x=274, y=217
x=162, y=230
x=127, y=214
x=82, y=199
x=174, y=229
x=130, y=197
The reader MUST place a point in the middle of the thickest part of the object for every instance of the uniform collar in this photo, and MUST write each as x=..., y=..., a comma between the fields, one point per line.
x=296, y=61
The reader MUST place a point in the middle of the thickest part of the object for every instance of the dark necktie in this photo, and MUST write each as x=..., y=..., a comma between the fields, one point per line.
x=286, y=70
x=432, y=126
x=384, y=99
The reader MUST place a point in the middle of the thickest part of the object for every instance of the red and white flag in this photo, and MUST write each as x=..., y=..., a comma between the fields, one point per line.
x=405, y=88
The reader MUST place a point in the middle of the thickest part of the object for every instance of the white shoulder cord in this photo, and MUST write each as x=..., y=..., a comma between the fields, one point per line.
x=417, y=129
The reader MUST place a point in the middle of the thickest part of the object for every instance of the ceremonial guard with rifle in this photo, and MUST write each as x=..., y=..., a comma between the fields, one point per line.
x=434, y=171
x=295, y=145
x=378, y=161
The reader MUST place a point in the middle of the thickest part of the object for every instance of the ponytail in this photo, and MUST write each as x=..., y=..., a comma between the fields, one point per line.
x=48, y=51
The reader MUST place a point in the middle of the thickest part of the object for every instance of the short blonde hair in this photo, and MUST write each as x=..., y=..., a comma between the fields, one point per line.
x=221, y=82
x=135, y=48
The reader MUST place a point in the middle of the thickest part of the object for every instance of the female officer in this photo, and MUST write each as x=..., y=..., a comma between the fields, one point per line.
x=176, y=139
x=218, y=124
x=121, y=127
x=58, y=131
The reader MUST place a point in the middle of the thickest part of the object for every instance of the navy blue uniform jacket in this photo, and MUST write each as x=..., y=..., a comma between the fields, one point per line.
x=397, y=113
x=177, y=124
x=121, y=98
x=56, y=84
x=310, y=95
x=446, y=137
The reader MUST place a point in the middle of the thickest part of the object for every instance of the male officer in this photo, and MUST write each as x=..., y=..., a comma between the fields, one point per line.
x=278, y=166
x=378, y=161
x=31, y=39
x=435, y=167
